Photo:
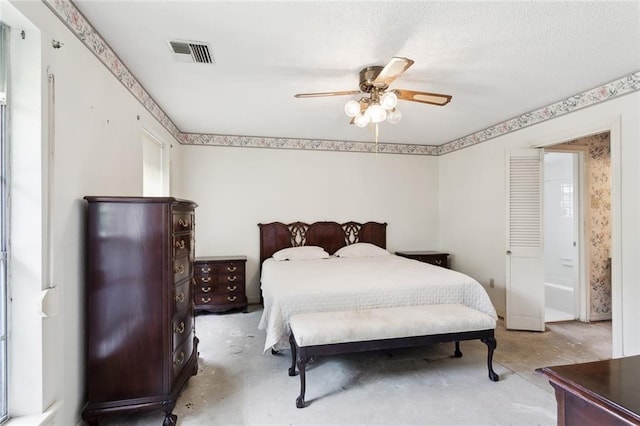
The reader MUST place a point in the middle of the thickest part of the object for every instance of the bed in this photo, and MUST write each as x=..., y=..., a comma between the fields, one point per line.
x=351, y=282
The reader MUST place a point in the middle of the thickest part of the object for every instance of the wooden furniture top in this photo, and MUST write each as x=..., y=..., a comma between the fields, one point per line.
x=421, y=252
x=220, y=258
x=329, y=235
x=615, y=382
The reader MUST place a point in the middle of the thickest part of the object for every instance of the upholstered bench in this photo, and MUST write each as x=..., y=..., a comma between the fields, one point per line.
x=331, y=333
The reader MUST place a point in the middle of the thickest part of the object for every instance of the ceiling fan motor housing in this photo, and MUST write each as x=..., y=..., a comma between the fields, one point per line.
x=367, y=77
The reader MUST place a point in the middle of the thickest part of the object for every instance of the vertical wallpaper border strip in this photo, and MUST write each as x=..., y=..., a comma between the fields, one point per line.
x=69, y=14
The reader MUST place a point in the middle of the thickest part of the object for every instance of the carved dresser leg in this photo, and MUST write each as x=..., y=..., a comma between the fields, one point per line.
x=491, y=345
x=170, y=420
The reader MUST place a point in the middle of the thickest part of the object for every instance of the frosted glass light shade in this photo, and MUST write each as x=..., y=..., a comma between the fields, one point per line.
x=394, y=116
x=361, y=120
x=389, y=100
x=376, y=113
x=352, y=108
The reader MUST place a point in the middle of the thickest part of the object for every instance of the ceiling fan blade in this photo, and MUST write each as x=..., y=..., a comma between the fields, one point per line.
x=391, y=71
x=424, y=97
x=319, y=94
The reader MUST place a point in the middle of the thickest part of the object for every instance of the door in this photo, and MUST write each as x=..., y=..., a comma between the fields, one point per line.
x=525, y=255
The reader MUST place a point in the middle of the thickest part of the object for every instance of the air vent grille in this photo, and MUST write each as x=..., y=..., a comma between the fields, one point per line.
x=191, y=51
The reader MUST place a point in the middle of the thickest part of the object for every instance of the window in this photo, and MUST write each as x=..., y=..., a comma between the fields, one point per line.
x=567, y=199
x=152, y=166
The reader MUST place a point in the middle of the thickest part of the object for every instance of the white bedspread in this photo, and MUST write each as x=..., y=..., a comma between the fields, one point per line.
x=336, y=284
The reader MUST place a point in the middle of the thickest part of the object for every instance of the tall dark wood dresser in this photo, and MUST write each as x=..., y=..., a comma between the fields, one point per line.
x=141, y=346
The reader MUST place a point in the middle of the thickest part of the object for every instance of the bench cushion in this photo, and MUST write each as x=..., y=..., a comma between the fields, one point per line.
x=322, y=328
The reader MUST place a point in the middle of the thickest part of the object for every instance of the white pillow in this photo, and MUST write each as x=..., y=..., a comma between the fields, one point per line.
x=361, y=250
x=301, y=253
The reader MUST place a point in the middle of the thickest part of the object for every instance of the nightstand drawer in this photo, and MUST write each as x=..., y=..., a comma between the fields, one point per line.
x=433, y=257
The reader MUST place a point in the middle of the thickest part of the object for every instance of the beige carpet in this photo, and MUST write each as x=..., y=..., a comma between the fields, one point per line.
x=239, y=385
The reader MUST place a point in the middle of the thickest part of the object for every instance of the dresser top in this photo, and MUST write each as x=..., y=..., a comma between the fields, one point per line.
x=615, y=382
x=239, y=258
x=123, y=199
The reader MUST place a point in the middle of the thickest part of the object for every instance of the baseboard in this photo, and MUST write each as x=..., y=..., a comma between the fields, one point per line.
x=45, y=419
x=600, y=317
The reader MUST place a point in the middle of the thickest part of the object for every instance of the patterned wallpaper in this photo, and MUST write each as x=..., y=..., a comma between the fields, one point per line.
x=599, y=219
x=69, y=14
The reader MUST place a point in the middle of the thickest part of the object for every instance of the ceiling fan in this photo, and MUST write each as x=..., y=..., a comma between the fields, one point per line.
x=380, y=104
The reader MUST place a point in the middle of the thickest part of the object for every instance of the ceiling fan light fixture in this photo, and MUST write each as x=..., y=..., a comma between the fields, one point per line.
x=393, y=116
x=352, y=108
x=376, y=113
x=389, y=100
x=361, y=120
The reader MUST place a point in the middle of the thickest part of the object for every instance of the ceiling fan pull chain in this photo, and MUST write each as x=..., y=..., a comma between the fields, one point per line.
x=376, y=138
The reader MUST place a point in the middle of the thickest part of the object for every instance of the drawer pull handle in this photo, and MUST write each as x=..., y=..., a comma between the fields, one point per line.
x=231, y=279
x=206, y=289
x=180, y=297
x=180, y=328
x=206, y=271
x=231, y=298
x=231, y=268
x=180, y=244
x=206, y=300
x=180, y=359
x=205, y=279
x=183, y=223
x=232, y=288
x=438, y=262
x=179, y=269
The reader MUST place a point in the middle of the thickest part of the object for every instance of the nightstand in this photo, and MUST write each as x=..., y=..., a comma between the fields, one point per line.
x=433, y=257
x=220, y=283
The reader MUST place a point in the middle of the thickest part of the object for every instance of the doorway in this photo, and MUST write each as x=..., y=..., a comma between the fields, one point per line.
x=578, y=268
x=562, y=235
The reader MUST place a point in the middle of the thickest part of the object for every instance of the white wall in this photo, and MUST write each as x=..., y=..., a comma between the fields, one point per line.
x=472, y=205
x=98, y=151
x=237, y=188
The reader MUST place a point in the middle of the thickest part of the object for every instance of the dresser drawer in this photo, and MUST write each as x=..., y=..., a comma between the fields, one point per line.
x=181, y=245
x=181, y=268
x=220, y=299
x=182, y=296
x=182, y=354
x=182, y=326
x=218, y=289
x=182, y=221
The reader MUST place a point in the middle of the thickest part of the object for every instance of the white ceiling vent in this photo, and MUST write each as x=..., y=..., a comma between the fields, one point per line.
x=191, y=51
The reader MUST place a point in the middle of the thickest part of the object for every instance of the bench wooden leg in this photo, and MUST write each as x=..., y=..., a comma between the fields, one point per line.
x=457, y=352
x=292, y=343
x=302, y=365
x=491, y=345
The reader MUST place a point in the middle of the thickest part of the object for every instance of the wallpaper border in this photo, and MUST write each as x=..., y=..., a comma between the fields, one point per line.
x=71, y=16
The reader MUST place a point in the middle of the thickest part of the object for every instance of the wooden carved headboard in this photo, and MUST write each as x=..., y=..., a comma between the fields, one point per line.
x=329, y=235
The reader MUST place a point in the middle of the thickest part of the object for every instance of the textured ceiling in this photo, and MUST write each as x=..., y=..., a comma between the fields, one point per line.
x=497, y=60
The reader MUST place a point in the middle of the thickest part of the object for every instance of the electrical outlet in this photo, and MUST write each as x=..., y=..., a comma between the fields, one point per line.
x=492, y=283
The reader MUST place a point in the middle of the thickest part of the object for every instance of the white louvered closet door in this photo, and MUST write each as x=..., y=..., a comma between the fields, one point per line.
x=525, y=253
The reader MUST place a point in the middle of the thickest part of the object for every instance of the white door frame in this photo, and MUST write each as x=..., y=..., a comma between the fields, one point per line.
x=613, y=127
